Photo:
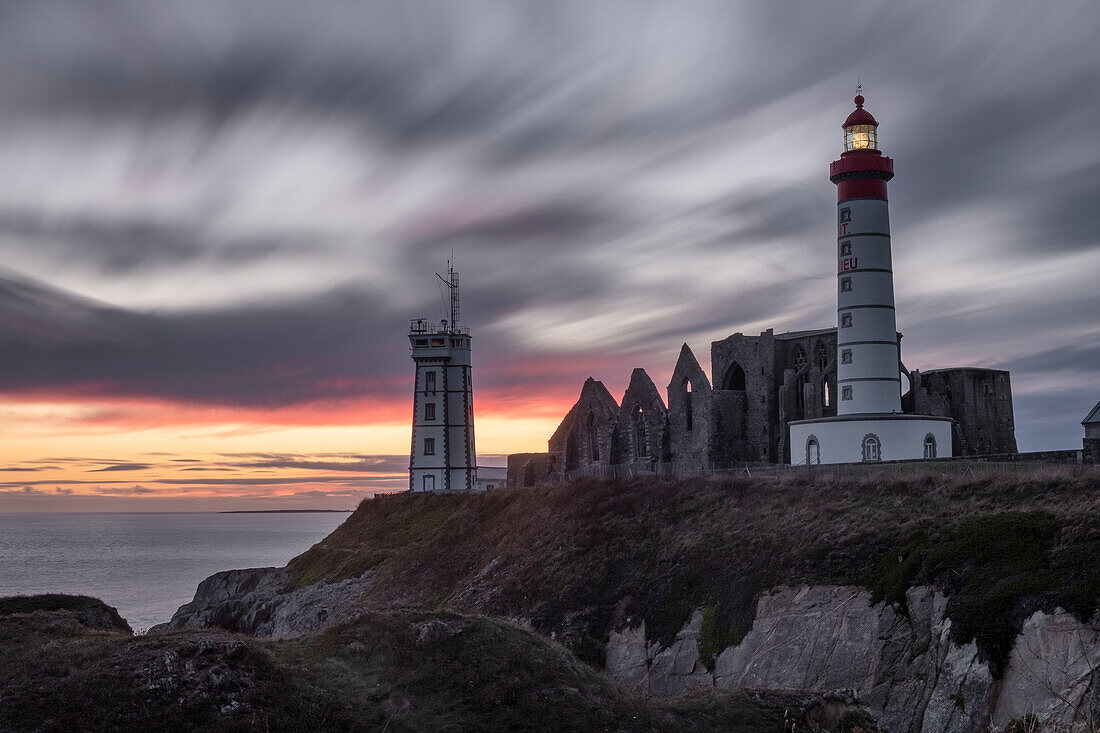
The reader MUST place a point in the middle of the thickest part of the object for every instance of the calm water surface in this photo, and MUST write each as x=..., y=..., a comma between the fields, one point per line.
x=145, y=565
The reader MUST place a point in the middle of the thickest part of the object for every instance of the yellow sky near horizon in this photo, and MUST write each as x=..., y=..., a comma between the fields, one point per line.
x=53, y=458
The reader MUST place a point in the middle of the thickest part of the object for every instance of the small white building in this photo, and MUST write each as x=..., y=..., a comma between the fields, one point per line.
x=443, y=457
x=491, y=477
x=869, y=424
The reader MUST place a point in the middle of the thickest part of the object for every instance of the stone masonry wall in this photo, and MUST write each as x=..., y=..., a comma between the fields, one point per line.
x=642, y=425
x=980, y=402
x=689, y=439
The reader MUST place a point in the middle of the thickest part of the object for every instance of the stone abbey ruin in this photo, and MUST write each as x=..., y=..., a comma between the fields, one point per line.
x=762, y=383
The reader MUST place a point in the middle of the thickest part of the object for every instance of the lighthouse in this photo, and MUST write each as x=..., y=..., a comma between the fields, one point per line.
x=442, y=456
x=868, y=377
x=869, y=425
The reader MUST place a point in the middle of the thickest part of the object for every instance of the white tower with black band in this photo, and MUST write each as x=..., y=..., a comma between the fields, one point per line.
x=869, y=425
x=443, y=456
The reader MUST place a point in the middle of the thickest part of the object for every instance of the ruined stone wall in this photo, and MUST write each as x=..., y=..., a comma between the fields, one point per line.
x=643, y=431
x=786, y=377
x=1091, y=450
x=689, y=414
x=805, y=369
x=587, y=436
x=529, y=469
x=760, y=384
x=980, y=402
x=742, y=367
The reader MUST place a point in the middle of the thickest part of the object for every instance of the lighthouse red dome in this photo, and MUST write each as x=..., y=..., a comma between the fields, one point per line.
x=859, y=115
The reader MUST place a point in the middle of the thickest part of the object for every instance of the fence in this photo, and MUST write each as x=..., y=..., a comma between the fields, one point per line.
x=1022, y=464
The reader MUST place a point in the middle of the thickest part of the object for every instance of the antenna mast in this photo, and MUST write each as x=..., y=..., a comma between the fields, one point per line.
x=451, y=281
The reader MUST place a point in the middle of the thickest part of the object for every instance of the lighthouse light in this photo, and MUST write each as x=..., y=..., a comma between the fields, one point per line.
x=860, y=137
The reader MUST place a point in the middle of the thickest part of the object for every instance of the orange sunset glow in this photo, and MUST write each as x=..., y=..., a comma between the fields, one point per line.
x=159, y=456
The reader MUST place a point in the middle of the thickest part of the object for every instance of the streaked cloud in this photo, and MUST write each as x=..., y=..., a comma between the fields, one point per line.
x=219, y=214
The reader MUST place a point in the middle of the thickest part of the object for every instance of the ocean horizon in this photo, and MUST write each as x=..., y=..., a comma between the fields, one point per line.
x=146, y=564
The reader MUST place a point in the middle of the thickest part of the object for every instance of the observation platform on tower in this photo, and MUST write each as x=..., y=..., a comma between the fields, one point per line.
x=422, y=326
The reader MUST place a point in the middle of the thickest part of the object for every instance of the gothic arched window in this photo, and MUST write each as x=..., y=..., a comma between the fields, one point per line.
x=813, y=451
x=593, y=438
x=821, y=356
x=800, y=396
x=640, y=448
x=930, y=446
x=572, y=451
x=799, y=358
x=687, y=406
x=735, y=378
x=872, y=448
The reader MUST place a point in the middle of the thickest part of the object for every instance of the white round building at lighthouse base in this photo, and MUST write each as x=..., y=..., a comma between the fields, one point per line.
x=869, y=438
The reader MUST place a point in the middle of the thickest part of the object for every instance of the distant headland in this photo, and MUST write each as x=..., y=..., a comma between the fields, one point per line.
x=284, y=511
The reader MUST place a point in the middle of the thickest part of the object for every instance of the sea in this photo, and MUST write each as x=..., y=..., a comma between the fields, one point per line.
x=146, y=565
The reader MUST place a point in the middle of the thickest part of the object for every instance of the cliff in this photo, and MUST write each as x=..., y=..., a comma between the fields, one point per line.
x=397, y=672
x=944, y=604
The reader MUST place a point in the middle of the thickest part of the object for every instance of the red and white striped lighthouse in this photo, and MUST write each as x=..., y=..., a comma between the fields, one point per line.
x=867, y=345
x=869, y=424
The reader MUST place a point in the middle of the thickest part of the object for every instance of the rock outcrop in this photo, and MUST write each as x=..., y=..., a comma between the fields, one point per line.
x=1053, y=673
x=257, y=601
x=82, y=610
x=905, y=667
x=901, y=663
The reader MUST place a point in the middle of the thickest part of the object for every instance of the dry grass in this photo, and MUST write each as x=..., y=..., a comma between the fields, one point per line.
x=576, y=560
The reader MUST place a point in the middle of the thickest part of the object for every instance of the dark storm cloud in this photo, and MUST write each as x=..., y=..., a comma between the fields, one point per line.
x=258, y=356
x=128, y=245
x=373, y=467
x=122, y=467
x=352, y=463
x=1079, y=357
x=771, y=214
x=282, y=481
x=993, y=158
x=564, y=221
x=380, y=63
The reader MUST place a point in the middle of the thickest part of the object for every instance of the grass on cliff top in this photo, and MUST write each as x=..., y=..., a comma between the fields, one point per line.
x=90, y=611
x=580, y=559
x=398, y=672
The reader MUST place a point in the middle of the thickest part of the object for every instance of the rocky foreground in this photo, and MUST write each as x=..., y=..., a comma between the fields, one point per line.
x=70, y=663
x=941, y=605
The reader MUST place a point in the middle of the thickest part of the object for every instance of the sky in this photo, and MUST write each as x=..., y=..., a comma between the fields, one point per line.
x=217, y=218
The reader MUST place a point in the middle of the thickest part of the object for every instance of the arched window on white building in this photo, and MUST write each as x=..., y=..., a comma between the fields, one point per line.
x=872, y=448
x=813, y=451
x=930, y=446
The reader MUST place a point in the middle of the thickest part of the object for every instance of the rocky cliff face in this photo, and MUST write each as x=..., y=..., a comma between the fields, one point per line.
x=822, y=639
x=907, y=669
x=257, y=602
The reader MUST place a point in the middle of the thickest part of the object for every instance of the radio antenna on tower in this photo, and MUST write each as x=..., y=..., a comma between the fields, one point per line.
x=451, y=281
